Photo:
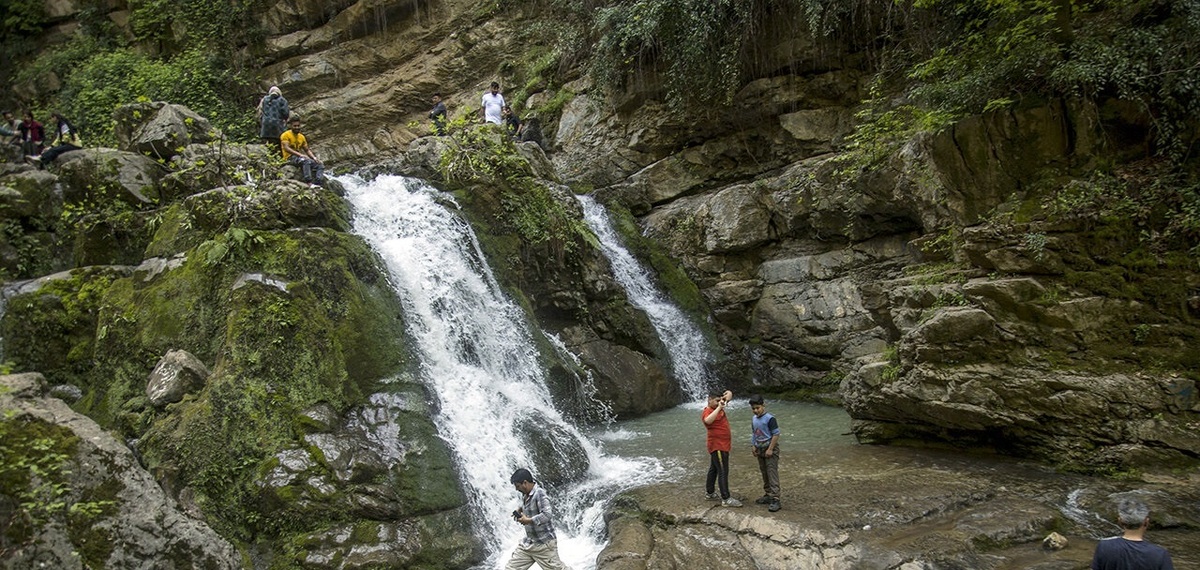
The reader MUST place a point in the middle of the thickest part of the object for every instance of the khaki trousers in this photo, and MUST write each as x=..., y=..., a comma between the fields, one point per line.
x=546, y=556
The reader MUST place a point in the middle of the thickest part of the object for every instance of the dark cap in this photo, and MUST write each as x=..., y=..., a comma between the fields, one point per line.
x=521, y=476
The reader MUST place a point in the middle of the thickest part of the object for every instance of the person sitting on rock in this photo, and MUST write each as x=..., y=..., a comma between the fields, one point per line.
x=297, y=153
x=511, y=122
x=66, y=139
x=33, y=135
x=11, y=129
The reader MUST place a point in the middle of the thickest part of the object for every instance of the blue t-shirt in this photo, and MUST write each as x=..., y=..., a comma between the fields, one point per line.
x=1118, y=553
x=762, y=429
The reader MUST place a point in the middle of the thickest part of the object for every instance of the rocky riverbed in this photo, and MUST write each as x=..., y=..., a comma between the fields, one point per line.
x=869, y=507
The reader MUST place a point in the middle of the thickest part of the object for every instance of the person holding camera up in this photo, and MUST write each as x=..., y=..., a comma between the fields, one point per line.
x=540, y=545
x=720, y=443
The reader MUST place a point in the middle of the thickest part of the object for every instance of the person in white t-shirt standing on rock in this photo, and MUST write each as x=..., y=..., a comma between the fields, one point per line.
x=492, y=102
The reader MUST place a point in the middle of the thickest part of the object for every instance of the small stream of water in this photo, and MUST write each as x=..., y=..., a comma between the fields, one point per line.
x=688, y=350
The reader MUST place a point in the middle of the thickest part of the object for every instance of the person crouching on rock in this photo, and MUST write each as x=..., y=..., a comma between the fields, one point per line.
x=297, y=153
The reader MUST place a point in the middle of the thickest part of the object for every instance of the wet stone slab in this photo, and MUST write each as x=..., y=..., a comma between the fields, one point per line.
x=891, y=509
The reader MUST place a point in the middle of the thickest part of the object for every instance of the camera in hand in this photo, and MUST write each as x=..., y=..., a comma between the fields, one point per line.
x=516, y=515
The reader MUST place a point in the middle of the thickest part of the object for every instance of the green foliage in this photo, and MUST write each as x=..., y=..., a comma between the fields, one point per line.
x=698, y=44
x=29, y=248
x=540, y=218
x=52, y=330
x=203, y=65
x=891, y=371
x=954, y=58
x=235, y=241
x=21, y=19
x=481, y=155
x=34, y=465
x=216, y=26
x=101, y=82
x=1159, y=204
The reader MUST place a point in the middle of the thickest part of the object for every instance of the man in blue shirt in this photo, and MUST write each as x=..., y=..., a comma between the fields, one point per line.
x=540, y=544
x=1131, y=550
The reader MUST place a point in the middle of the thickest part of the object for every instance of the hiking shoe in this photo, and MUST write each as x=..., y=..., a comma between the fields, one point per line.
x=712, y=496
x=731, y=502
x=763, y=500
x=775, y=506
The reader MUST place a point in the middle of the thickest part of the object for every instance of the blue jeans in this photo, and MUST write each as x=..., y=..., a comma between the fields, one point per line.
x=310, y=170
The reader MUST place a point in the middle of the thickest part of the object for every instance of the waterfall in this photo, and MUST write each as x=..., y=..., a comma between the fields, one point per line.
x=685, y=344
x=478, y=357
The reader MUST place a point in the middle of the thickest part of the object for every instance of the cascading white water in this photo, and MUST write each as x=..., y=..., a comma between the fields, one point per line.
x=478, y=356
x=685, y=345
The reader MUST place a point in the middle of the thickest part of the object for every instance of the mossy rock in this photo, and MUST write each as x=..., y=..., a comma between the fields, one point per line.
x=287, y=320
x=278, y=204
x=49, y=326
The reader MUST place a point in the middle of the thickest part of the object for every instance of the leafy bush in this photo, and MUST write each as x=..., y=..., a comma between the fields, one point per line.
x=1161, y=203
x=203, y=65
x=959, y=57
x=100, y=81
x=698, y=45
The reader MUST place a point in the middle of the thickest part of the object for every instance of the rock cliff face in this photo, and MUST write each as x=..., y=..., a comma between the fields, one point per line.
x=941, y=297
x=906, y=290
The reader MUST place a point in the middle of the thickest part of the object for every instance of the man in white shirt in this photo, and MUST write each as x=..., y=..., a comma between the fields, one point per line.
x=492, y=102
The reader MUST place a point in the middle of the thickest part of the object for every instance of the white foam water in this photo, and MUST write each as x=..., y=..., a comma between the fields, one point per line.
x=478, y=357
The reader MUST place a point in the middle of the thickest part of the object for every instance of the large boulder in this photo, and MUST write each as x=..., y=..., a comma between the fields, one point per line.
x=160, y=130
x=102, y=174
x=201, y=167
x=630, y=383
x=118, y=517
x=275, y=204
x=30, y=211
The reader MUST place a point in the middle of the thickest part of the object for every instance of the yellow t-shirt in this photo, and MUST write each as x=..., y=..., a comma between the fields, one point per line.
x=294, y=140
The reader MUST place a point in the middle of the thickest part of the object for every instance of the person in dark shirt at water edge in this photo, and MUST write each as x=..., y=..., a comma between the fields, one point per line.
x=1131, y=550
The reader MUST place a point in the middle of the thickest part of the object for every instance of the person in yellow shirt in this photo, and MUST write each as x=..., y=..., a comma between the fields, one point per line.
x=296, y=152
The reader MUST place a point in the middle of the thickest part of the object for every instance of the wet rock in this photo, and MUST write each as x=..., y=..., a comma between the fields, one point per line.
x=374, y=544
x=882, y=509
x=630, y=383
x=177, y=374
x=68, y=393
x=1055, y=541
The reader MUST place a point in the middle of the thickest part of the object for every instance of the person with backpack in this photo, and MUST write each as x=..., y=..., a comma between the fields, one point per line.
x=273, y=113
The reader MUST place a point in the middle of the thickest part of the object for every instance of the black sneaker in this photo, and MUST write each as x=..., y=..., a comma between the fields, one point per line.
x=763, y=500
x=775, y=506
